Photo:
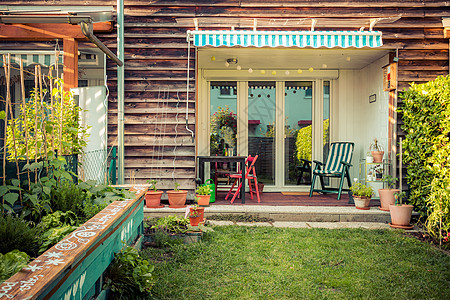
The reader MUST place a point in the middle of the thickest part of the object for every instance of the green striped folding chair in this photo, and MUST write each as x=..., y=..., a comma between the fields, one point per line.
x=337, y=165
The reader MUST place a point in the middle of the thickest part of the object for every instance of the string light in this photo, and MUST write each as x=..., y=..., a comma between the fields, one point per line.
x=263, y=72
x=213, y=58
x=286, y=72
x=250, y=70
x=299, y=71
x=311, y=69
x=274, y=72
x=227, y=64
x=238, y=68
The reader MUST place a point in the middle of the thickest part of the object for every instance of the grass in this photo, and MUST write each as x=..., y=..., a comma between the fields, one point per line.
x=284, y=263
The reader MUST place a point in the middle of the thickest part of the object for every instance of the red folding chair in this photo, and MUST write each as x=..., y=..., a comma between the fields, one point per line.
x=250, y=177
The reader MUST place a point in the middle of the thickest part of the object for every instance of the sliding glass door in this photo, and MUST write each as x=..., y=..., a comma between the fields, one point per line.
x=298, y=117
x=285, y=123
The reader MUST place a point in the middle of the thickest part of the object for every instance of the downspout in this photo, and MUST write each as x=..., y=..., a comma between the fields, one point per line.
x=88, y=31
x=120, y=92
x=187, y=86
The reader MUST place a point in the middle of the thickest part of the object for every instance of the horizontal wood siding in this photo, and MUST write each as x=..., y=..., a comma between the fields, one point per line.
x=157, y=143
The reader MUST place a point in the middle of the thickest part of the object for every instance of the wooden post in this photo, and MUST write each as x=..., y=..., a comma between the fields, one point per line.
x=9, y=105
x=52, y=109
x=22, y=88
x=35, y=120
x=44, y=134
x=5, y=133
x=70, y=47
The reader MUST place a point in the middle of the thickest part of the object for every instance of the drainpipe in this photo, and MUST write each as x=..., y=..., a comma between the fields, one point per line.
x=88, y=31
x=120, y=92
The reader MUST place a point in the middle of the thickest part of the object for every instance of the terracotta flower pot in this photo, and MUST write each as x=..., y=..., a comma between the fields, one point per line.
x=194, y=221
x=387, y=198
x=401, y=214
x=153, y=199
x=200, y=212
x=361, y=202
x=177, y=199
x=377, y=156
x=203, y=200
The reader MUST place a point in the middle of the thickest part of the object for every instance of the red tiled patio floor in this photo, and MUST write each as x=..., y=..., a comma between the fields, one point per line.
x=292, y=200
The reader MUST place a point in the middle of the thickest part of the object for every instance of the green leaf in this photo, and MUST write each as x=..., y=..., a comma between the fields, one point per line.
x=3, y=190
x=11, y=198
x=48, y=128
x=47, y=190
x=2, y=115
x=15, y=182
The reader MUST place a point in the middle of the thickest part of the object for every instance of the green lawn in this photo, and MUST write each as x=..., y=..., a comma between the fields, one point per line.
x=283, y=263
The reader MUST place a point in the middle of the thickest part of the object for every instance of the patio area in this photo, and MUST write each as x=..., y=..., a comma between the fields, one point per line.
x=292, y=199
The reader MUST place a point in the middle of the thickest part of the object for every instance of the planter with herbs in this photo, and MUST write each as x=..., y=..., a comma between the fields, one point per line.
x=362, y=195
x=73, y=265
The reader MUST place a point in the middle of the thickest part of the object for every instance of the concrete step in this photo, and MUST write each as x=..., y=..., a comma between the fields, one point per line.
x=286, y=213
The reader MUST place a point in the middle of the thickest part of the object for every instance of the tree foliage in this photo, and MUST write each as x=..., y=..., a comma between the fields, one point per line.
x=426, y=118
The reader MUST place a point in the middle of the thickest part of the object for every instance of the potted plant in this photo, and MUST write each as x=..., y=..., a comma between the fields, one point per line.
x=400, y=213
x=177, y=197
x=377, y=151
x=153, y=196
x=361, y=195
x=196, y=214
x=387, y=195
x=203, y=195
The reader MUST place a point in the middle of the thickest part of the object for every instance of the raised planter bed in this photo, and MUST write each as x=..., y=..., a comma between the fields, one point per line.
x=74, y=267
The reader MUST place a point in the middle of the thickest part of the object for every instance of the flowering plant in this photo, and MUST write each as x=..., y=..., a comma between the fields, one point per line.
x=223, y=117
x=223, y=126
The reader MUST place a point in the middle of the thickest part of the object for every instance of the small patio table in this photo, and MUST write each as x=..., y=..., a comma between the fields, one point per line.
x=222, y=159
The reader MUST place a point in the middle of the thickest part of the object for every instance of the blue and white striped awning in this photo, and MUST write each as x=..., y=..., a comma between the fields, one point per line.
x=28, y=59
x=300, y=39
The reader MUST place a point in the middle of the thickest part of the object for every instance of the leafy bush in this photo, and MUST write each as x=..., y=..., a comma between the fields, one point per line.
x=130, y=275
x=361, y=190
x=11, y=263
x=426, y=118
x=67, y=196
x=303, y=142
x=16, y=233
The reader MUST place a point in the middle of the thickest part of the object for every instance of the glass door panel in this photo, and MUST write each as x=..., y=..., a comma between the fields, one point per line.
x=326, y=119
x=223, y=126
x=223, y=117
x=298, y=99
x=261, y=128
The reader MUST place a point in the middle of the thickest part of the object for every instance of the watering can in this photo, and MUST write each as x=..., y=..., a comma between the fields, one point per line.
x=212, y=190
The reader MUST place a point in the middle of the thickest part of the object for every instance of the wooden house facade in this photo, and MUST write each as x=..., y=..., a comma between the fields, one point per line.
x=168, y=80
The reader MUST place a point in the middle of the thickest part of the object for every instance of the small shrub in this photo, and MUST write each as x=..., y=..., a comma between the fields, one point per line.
x=16, y=233
x=361, y=190
x=202, y=190
x=67, y=196
x=130, y=276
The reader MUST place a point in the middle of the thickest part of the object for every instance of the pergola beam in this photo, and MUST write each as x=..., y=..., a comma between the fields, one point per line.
x=45, y=32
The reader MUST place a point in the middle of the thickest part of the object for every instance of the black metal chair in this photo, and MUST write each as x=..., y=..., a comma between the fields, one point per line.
x=338, y=165
x=304, y=168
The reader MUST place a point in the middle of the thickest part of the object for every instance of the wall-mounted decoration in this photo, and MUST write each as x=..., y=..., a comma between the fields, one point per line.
x=390, y=77
x=372, y=98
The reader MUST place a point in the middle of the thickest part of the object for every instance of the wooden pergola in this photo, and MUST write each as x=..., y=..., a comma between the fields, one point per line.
x=70, y=34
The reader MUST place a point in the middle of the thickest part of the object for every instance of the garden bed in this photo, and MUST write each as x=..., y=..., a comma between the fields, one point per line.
x=74, y=267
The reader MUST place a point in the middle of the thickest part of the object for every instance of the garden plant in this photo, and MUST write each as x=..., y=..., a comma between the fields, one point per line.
x=425, y=114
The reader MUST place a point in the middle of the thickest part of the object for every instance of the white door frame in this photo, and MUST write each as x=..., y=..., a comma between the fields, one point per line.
x=242, y=78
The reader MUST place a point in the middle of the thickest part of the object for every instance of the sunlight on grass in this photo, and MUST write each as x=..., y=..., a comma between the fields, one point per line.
x=283, y=263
